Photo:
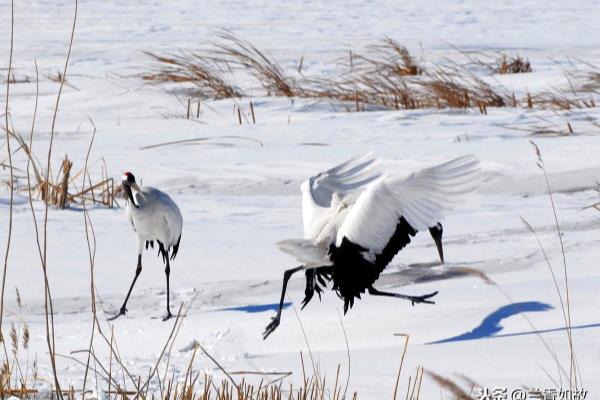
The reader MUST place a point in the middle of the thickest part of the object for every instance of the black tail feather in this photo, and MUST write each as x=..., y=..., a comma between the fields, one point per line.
x=163, y=252
x=175, y=249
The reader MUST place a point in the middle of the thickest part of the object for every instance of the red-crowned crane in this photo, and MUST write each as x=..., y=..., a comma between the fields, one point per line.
x=356, y=219
x=154, y=217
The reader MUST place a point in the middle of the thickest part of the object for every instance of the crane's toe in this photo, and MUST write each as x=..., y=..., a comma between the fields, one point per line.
x=271, y=327
x=423, y=299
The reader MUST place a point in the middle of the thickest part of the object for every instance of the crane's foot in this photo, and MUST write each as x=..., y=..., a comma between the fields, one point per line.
x=413, y=299
x=272, y=326
x=422, y=299
x=168, y=316
x=121, y=312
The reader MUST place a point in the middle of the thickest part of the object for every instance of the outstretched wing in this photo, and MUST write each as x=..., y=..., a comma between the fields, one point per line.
x=323, y=190
x=422, y=199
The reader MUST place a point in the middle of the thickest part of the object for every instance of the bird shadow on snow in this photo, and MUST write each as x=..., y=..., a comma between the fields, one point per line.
x=490, y=326
x=256, y=308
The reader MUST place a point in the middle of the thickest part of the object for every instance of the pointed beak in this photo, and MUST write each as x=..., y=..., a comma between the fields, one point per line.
x=436, y=233
x=128, y=192
x=440, y=249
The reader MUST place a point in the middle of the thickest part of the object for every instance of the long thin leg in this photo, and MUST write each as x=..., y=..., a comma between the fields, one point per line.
x=276, y=319
x=413, y=299
x=138, y=271
x=436, y=233
x=167, y=273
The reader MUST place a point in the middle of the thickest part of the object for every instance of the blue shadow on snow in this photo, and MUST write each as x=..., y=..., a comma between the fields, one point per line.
x=256, y=308
x=490, y=325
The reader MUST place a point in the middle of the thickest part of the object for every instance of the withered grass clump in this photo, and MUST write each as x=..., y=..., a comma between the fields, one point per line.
x=61, y=190
x=378, y=77
x=560, y=100
x=496, y=62
x=384, y=75
x=460, y=89
x=194, y=68
x=389, y=58
x=513, y=65
x=206, y=69
x=239, y=52
x=593, y=83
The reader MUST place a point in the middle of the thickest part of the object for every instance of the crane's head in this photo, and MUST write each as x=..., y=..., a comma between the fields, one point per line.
x=128, y=179
x=128, y=183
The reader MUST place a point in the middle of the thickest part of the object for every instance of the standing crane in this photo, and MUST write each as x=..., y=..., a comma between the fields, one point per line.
x=154, y=217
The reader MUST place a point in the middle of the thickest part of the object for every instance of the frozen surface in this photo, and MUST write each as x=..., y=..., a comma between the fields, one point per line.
x=241, y=195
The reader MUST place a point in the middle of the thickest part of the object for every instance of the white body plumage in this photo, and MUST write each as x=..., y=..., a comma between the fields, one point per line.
x=156, y=217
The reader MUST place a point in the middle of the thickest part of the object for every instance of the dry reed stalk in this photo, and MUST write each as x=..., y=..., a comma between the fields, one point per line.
x=8, y=149
x=404, y=347
x=566, y=305
x=347, y=354
x=91, y=255
x=48, y=306
x=62, y=194
x=252, y=113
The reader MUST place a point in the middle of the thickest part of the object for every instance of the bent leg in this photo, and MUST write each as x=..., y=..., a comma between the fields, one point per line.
x=276, y=319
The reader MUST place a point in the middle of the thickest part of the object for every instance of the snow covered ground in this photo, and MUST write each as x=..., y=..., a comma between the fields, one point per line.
x=239, y=195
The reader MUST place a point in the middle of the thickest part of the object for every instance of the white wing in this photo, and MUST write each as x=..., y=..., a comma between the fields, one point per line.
x=309, y=253
x=328, y=189
x=422, y=198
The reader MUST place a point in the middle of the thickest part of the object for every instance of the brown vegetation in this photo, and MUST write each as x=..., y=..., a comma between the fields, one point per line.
x=196, y=69
x=385, y=75
x=513, y=65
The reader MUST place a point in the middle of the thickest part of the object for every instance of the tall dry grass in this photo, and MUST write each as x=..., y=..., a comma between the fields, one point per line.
x=385, y=75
